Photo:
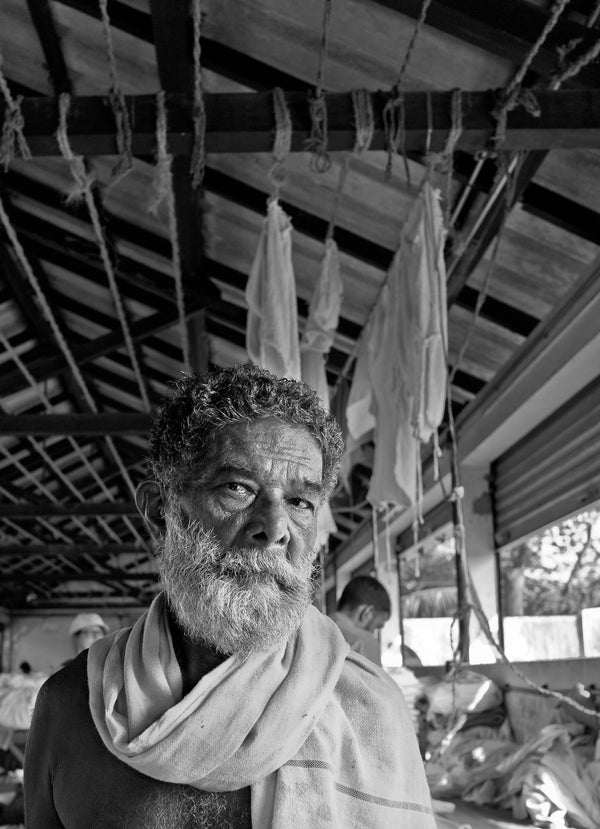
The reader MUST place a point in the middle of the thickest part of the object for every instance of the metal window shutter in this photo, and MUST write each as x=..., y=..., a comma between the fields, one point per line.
x=552, y=472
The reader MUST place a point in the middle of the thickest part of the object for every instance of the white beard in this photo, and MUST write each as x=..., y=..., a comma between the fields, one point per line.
x=237, y=600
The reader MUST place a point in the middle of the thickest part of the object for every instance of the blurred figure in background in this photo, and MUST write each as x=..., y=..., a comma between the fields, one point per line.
x=85, y=629
x=363, y=608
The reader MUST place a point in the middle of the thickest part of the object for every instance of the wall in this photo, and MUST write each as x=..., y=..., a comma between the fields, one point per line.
x=44, y=641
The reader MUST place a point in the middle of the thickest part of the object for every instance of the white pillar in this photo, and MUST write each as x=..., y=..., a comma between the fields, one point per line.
x=481, y=555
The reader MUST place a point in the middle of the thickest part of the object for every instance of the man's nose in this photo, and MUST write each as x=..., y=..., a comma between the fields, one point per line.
x=268, y=523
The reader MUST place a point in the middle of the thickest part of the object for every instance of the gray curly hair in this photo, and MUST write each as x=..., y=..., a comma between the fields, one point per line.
x=202, y=404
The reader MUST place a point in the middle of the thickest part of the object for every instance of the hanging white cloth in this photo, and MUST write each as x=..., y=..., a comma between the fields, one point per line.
x=360, y=416
x=406, y=366
x=322, y=322
x=317, y=339
x=409, y=373
x=272, y=327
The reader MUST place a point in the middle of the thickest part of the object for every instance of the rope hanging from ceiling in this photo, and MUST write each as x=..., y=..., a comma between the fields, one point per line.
x=12, y=139
x=364, y=124
x=344, y=170
x=58, y=335
x=282, y=142
x=393, y=112
x=317, y=141
x=447, y=155
x=198, y=161
x=163, y=191
x=508, y=171
x=568, y=71
x=514, y=95
x=117, y=100
x=83, y=189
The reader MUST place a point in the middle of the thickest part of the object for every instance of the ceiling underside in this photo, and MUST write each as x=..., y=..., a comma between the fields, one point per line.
x=69, y=535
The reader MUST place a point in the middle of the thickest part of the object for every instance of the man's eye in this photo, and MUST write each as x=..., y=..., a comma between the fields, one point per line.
x=236, y=489
x=302, y=503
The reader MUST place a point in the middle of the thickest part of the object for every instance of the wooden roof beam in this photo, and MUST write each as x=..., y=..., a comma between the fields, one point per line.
x=43, y=21
x=89, y=575
x=244, y=122
x=68, y=550
x=106, y=423
x=173, y=39
x=44, y=368
x=50, y=510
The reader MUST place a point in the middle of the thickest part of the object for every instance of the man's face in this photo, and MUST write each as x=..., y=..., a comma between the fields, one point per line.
x=372, y=619
x=237, y=555
x=86, y=637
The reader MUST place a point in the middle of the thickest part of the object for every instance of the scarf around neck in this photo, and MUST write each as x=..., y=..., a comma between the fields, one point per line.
x=301, y=715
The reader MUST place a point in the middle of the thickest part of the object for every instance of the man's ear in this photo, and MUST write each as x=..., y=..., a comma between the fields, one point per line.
x=365, y=614
x=149, y=499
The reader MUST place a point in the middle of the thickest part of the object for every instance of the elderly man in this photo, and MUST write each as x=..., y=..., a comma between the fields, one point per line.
x=232, y=702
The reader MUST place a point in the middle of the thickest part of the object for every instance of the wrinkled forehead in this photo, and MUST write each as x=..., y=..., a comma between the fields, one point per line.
x=268, y=439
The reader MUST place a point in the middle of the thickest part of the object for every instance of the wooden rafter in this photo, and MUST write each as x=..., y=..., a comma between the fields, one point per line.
x=174, y=42
x=244, y=122
x=118, y=576
x=106, y=423
x=67, y=550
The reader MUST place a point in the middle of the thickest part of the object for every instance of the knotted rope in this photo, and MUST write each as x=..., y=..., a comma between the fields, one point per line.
x=393, y=111
x=117, y=100
x=394, y=128
x=317, y=141
x=12, y=128
x=411, y=45
x=282, y=142
x=163, y=191
x=344, y=169
x=198, y=162
x=83, y=189
x=513, y=95
x=363, y=120
x=448, y=151
x=572, y=69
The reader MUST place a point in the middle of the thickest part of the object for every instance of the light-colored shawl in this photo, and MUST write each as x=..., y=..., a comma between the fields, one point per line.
x=320, y=735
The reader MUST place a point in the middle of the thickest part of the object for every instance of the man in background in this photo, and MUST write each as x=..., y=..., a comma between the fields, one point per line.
x=363, y=609
x=85, y=629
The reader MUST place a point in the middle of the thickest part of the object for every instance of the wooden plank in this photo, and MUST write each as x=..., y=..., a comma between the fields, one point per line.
x=76, y=424
x=41, y=15
x=78, y=509
x=506, y=28
x=68, y=550
x=89, y=575
x=244, y=122
x=481, y=234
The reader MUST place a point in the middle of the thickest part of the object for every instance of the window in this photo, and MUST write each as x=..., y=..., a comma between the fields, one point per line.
x=550, y=591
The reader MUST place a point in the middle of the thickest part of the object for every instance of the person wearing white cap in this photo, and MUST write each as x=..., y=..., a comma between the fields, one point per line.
x=85, y=629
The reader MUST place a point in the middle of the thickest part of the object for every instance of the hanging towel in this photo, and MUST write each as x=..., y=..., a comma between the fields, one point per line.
x=320, y=734
x=322, y=322
x=272, y=327
x=408, y=367
x=317, y=339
